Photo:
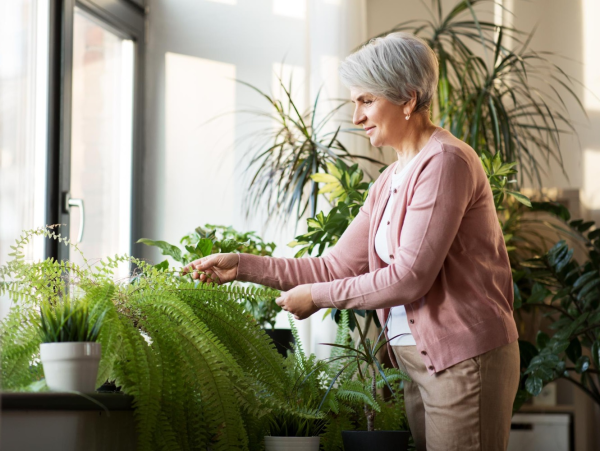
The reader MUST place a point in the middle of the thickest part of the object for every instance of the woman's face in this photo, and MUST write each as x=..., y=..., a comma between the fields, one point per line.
x=381, y=119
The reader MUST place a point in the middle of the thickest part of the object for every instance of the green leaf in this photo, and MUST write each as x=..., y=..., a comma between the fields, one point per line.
x=534, y=385
x=166, y=248
x=538, y=294
x=584, y=279
x=229, y=246
x=520, y=197
x=542, y=339
x=162, y=265
x=596, y=353
x=204, y=247
x=564, y=261
x=582, y=364
x=574, y=350
x=594, y=234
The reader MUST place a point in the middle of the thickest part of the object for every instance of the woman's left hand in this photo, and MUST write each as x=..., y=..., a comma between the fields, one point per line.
x=298, y=301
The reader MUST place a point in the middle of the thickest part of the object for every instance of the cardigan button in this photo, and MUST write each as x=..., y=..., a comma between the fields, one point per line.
x=412, y=321
x=395, y=190
x=430, y=367
x=388, y=223
x=424, y=352
x=391, y=257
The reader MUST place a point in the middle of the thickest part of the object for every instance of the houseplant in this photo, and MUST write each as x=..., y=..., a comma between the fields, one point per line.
x=497, y=97
x=286, y=156
x=200, y=369
x=358, y=376
x=298, y=423
x=567, y=293
x=212, y=239
x=69, y=351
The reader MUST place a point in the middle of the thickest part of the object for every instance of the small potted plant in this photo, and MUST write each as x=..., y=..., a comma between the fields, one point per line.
x=297, y=423
x=357, y=374
x=69, y=351
x=297, y=430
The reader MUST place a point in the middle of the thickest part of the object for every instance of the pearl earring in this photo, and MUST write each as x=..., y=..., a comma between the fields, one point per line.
x=407, y=117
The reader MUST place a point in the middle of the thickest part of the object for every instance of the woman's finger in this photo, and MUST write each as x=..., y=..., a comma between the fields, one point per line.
x=200, y=264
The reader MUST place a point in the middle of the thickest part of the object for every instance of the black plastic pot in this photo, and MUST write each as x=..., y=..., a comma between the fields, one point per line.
x=282, y=338
x=375, y=440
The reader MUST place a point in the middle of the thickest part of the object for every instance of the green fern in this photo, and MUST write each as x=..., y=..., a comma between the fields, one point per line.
x=201, y=371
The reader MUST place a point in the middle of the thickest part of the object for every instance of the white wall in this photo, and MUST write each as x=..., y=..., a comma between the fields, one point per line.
x=193, y=170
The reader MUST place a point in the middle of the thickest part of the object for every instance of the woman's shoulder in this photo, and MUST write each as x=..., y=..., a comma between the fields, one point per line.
x=445, y=142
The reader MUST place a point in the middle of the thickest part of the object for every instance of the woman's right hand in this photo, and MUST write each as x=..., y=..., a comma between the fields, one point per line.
x=219, y=268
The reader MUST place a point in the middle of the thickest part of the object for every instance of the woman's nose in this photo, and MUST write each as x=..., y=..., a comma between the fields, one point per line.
x=358, y=117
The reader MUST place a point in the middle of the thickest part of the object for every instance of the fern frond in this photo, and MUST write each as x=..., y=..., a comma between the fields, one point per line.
x=354, y=392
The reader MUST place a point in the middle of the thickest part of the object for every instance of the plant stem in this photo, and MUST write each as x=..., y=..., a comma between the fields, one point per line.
x=584, y=388
x=561, y=310
x=369, y=411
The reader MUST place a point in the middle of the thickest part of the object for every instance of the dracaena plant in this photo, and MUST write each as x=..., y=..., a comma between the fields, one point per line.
x=497, y=97
x=287, y=154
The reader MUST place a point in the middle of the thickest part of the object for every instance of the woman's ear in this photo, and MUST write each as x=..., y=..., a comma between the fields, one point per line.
x=410, y=106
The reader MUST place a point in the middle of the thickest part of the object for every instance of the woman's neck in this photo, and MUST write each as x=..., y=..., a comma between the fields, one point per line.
x=414, y=137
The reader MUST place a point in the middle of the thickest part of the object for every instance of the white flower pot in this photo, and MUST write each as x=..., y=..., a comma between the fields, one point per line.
x=292, y=443
x=71, y=366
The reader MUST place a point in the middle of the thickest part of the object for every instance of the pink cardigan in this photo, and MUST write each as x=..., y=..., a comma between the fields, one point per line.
x=450, y=268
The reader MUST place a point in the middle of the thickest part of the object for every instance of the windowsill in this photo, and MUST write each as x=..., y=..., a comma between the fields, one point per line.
x=65, y=401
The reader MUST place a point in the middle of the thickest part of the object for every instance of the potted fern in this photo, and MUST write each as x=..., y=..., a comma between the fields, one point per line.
x=202, y=373
x=70, y=352
x=298, y=422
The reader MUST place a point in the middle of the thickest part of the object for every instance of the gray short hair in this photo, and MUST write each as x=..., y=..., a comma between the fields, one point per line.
x=394, y=67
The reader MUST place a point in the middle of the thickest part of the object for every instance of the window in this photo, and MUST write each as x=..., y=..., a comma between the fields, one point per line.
x=101, y=139
x=23, y=121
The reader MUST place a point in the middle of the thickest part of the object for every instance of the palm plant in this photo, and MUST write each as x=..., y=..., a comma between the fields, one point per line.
x=288, y=154
x=510, y=101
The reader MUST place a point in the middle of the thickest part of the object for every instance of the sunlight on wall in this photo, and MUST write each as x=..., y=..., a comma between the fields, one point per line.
x=290, y=8
x=199, y=164
x=297, y=76
x=329, y=75
x=227, y=2
x=591, y=181
x=591, y=38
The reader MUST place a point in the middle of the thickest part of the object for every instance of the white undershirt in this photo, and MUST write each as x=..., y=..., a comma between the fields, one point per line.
x=398, y=322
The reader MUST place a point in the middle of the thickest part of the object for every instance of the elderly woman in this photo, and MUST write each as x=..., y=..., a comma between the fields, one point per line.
x=426, y=251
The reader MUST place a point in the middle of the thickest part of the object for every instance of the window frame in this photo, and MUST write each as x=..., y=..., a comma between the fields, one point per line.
x=128, y=19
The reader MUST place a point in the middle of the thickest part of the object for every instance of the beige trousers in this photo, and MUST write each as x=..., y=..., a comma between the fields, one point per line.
x=467, y=407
